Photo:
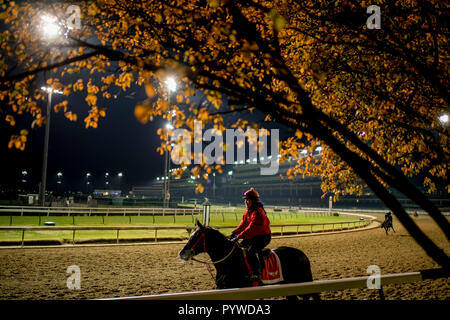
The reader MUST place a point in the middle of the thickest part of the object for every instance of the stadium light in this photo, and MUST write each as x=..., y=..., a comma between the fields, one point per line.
x=49, y=27
x=171, y=84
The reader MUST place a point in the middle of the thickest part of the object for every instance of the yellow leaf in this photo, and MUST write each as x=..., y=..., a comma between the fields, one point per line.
x=141, y=112
x=199, y=189
x=195, y=171
x=10, y=119
x=149, y=90
x=91, y=99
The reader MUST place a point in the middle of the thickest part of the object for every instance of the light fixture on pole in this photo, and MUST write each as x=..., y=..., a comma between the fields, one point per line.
x=49, y=27
x=50, y=30
x=443, y=119
x=171, y=86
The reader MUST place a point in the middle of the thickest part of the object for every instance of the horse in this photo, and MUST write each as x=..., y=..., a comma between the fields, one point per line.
x=387, y=224
x=229, y=260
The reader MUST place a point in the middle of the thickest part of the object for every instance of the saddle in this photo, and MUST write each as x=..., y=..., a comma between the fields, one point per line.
x=265, y=253
x=271, y=271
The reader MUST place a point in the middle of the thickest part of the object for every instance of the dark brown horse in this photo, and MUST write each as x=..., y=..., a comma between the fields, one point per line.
x=387, y=223
x=229, y=261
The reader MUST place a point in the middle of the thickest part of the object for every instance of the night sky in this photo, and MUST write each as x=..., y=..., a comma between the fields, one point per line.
x=119, y=144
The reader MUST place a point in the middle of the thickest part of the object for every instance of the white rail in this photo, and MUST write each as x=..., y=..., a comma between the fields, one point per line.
x=74, y=229
x=292, y=289
x=97, y=211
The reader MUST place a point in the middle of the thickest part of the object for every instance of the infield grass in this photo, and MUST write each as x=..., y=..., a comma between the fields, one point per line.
x=225, y=217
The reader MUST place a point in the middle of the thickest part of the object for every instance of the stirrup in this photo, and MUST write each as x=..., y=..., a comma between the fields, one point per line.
x=256, y=279
x=255, y=276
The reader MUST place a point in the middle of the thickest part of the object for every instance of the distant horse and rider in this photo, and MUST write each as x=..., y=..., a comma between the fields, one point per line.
x=387, y=223
x=247, y=263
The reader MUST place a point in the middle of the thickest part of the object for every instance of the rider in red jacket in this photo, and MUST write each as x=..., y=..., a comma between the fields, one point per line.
x=255, y=231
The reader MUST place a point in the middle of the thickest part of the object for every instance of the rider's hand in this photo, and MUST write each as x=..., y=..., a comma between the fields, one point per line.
x=231, y=236
x=234, y=239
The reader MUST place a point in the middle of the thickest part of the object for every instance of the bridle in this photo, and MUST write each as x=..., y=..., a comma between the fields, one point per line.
x=202, y=236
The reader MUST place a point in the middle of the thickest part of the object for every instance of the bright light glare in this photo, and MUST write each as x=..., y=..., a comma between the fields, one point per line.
x=49, y=90
x=169, y=126
x=50, y=27
x=444, y=118
x=171, y=84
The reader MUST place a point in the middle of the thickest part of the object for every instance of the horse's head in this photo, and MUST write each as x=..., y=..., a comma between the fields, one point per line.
x=196, y=243
x=200, y=239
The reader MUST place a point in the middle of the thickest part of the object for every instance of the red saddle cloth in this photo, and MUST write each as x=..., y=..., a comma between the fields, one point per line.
x=272, y=270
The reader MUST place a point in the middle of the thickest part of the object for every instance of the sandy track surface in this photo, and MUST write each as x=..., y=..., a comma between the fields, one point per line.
x=153, y=269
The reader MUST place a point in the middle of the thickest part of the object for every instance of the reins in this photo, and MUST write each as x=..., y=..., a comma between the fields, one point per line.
x=218, y=261
x=204, y=250
x=210, y=262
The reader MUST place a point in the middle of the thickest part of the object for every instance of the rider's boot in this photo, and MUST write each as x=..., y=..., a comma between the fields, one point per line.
x=256, y=268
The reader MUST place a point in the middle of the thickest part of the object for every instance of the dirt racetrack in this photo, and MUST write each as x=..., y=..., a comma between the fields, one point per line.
x=113, y=271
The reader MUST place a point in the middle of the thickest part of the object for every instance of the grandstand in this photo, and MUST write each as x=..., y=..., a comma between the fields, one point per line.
x=277, y=190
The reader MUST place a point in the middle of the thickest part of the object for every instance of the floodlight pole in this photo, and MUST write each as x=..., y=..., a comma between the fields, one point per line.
x=46, y=139
x=166, y=193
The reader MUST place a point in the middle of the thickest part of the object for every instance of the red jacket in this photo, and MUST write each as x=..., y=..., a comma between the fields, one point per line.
x=254, y=223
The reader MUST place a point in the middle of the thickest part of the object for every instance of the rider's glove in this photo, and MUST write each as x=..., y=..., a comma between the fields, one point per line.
x=234, y=239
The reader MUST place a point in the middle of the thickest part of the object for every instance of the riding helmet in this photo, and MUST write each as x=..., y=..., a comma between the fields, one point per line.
x=251, y=194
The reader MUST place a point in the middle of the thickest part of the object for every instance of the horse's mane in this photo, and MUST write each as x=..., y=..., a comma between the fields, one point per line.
x=217, y=234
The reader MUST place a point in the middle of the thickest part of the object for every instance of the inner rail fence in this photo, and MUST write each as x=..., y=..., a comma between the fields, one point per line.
x=167, y=214
x=70, y=211
x=283, y=228
x=294, y=289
